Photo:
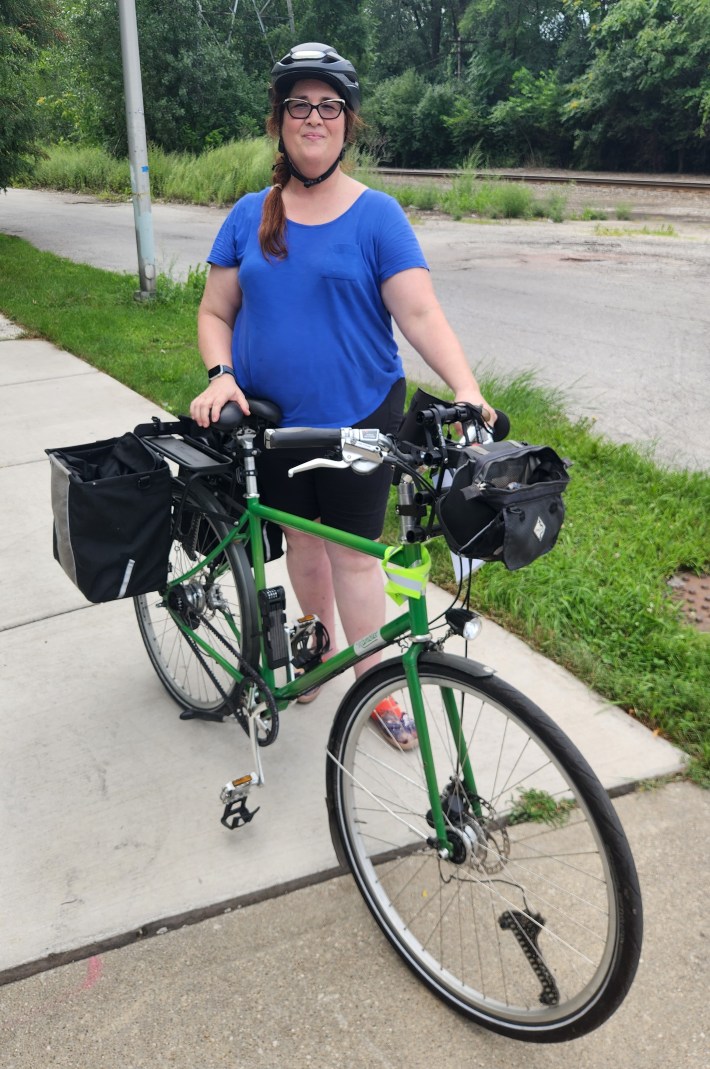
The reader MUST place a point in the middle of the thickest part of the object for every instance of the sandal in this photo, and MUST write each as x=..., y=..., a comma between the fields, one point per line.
x=309, y=695
x=397, y=729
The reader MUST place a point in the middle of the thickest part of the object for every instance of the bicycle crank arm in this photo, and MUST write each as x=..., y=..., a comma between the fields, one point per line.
x=234, y=794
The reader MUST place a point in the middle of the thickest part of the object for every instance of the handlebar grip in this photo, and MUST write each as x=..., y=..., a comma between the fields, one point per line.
x=501, y=427
x=460, y=413
x=303, y=438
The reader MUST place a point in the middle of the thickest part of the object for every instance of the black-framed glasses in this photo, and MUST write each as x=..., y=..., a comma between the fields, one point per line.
x=301, y=109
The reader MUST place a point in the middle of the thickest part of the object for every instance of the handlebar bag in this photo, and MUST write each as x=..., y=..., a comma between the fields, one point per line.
x=504, y=503
x=111, y=503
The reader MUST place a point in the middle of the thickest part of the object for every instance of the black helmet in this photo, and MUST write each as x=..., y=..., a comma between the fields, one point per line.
x=315, y=60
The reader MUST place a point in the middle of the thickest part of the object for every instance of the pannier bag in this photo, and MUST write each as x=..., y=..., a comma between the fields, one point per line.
x=206, y=451
x=504, y=503
x=111, y=504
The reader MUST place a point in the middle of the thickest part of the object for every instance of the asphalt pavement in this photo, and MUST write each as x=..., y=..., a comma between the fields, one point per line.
x=614, y=318
x=192, y=945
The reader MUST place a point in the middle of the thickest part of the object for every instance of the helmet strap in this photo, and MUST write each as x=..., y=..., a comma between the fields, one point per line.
x=308, y=182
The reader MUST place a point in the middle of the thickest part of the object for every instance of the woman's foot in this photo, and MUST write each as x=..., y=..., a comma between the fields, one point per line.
x=397, y=728
x=309, y=695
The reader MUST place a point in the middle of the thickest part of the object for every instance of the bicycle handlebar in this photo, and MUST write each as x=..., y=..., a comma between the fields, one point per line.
x=303, y=438
x=463, y=413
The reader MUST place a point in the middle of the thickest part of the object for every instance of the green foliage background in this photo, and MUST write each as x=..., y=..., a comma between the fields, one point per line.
x=613, y=84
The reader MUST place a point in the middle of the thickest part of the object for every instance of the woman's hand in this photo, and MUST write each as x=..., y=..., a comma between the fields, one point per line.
x=476, y=398
x=207, y=406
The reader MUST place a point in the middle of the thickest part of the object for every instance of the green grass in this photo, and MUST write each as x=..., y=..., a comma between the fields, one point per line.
x=598, y=604
x=665, y=230
x=588, y=213
x=217, y=177
x=222, y=175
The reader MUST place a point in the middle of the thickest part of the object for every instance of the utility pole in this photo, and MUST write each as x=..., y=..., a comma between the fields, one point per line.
x=137, y=148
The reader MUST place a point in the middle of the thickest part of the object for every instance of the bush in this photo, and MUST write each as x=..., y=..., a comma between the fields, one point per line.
x=390, y=117
x=491, y=200
x=529, y=123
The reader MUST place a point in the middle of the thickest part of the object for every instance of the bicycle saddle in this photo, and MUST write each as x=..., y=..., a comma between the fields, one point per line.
x=262, y=414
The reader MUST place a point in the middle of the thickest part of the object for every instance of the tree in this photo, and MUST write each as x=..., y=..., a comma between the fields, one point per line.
x=420, y=34
x=504, y=36
x=196, y=91
x=24, y=27
x=391, y=113
x=644, y=100
x=528, y=125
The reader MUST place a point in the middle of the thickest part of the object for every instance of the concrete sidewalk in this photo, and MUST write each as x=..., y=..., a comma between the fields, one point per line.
x=109, y=812
x=307, y=981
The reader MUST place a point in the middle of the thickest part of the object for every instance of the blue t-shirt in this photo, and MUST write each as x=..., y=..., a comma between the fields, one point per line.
x=313, y=334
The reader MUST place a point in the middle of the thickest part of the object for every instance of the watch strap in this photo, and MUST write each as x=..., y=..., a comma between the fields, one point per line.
x=220, y=369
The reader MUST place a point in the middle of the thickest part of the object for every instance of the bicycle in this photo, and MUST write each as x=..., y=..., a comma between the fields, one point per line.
x=490, y=856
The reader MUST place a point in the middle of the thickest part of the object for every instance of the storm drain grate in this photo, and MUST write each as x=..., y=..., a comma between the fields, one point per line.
x=693, y=593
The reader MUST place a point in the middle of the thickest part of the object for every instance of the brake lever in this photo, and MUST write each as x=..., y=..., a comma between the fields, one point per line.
x=319, y=462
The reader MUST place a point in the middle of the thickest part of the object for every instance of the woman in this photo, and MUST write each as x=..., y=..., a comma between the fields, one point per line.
x=304, y=282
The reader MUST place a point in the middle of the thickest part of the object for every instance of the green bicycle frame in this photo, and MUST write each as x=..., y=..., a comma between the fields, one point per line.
x=412, y=622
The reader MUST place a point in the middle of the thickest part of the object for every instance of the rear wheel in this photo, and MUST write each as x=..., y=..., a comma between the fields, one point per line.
x=218, y=603
x=532, y=926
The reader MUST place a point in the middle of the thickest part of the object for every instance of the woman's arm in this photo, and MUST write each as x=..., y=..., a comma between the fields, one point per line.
x=215, y=325
x=410, y=299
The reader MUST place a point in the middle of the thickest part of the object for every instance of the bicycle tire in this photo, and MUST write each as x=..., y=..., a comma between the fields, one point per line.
x=564, y=883
x=225, y=586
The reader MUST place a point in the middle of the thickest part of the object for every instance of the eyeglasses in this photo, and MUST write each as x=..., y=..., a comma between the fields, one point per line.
x=301, y=109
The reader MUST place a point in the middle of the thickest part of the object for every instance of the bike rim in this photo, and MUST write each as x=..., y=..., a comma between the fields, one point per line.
x=446, y=918
x=194, y=678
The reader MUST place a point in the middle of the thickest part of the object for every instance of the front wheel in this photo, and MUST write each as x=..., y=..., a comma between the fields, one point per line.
x=217, y=603
x=532, y=925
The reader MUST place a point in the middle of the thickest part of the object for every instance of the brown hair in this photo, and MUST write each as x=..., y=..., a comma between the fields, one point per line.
x=273, y=217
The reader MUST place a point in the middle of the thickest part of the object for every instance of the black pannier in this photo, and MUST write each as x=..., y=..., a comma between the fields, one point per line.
x=111, y=502
x=504, y=503
x=206, y=452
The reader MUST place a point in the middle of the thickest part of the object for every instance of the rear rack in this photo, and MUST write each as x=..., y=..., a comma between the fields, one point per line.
x=190, y=454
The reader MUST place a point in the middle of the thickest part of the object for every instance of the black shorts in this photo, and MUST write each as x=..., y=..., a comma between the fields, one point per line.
x=342, y=499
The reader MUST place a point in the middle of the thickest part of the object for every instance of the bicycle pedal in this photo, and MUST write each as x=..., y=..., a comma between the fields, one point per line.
x=234, y=794
x=236, y=814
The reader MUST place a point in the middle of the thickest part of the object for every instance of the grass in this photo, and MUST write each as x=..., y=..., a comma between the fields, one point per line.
x=588, y=213
x=217, y=177
x=599, y=604
x=222, y=175
x=665, y=230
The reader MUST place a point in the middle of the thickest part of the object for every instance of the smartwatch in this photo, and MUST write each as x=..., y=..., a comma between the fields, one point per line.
x=220, y=369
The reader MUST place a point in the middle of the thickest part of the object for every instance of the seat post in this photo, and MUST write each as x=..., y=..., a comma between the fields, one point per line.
x=247, y=437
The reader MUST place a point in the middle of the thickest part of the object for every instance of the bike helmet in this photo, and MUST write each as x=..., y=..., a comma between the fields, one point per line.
x=315, y=60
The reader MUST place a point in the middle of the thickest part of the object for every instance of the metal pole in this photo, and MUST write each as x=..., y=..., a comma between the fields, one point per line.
x=137, y=147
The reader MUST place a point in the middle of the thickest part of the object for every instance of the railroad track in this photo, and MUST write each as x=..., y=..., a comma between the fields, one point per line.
x=699, y=185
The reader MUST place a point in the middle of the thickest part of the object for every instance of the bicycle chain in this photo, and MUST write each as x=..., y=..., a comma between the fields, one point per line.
x=273, y=729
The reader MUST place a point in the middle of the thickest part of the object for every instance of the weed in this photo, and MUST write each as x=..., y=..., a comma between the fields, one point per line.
x=553, y=207
x=666, y=230
x=623, y=212
x=541, y=808
x=589, y=213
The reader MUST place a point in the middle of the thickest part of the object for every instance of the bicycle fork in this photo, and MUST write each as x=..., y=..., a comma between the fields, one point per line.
x=438, y=819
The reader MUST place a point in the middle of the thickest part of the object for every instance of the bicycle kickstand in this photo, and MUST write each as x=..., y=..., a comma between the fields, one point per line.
x=234, y=794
